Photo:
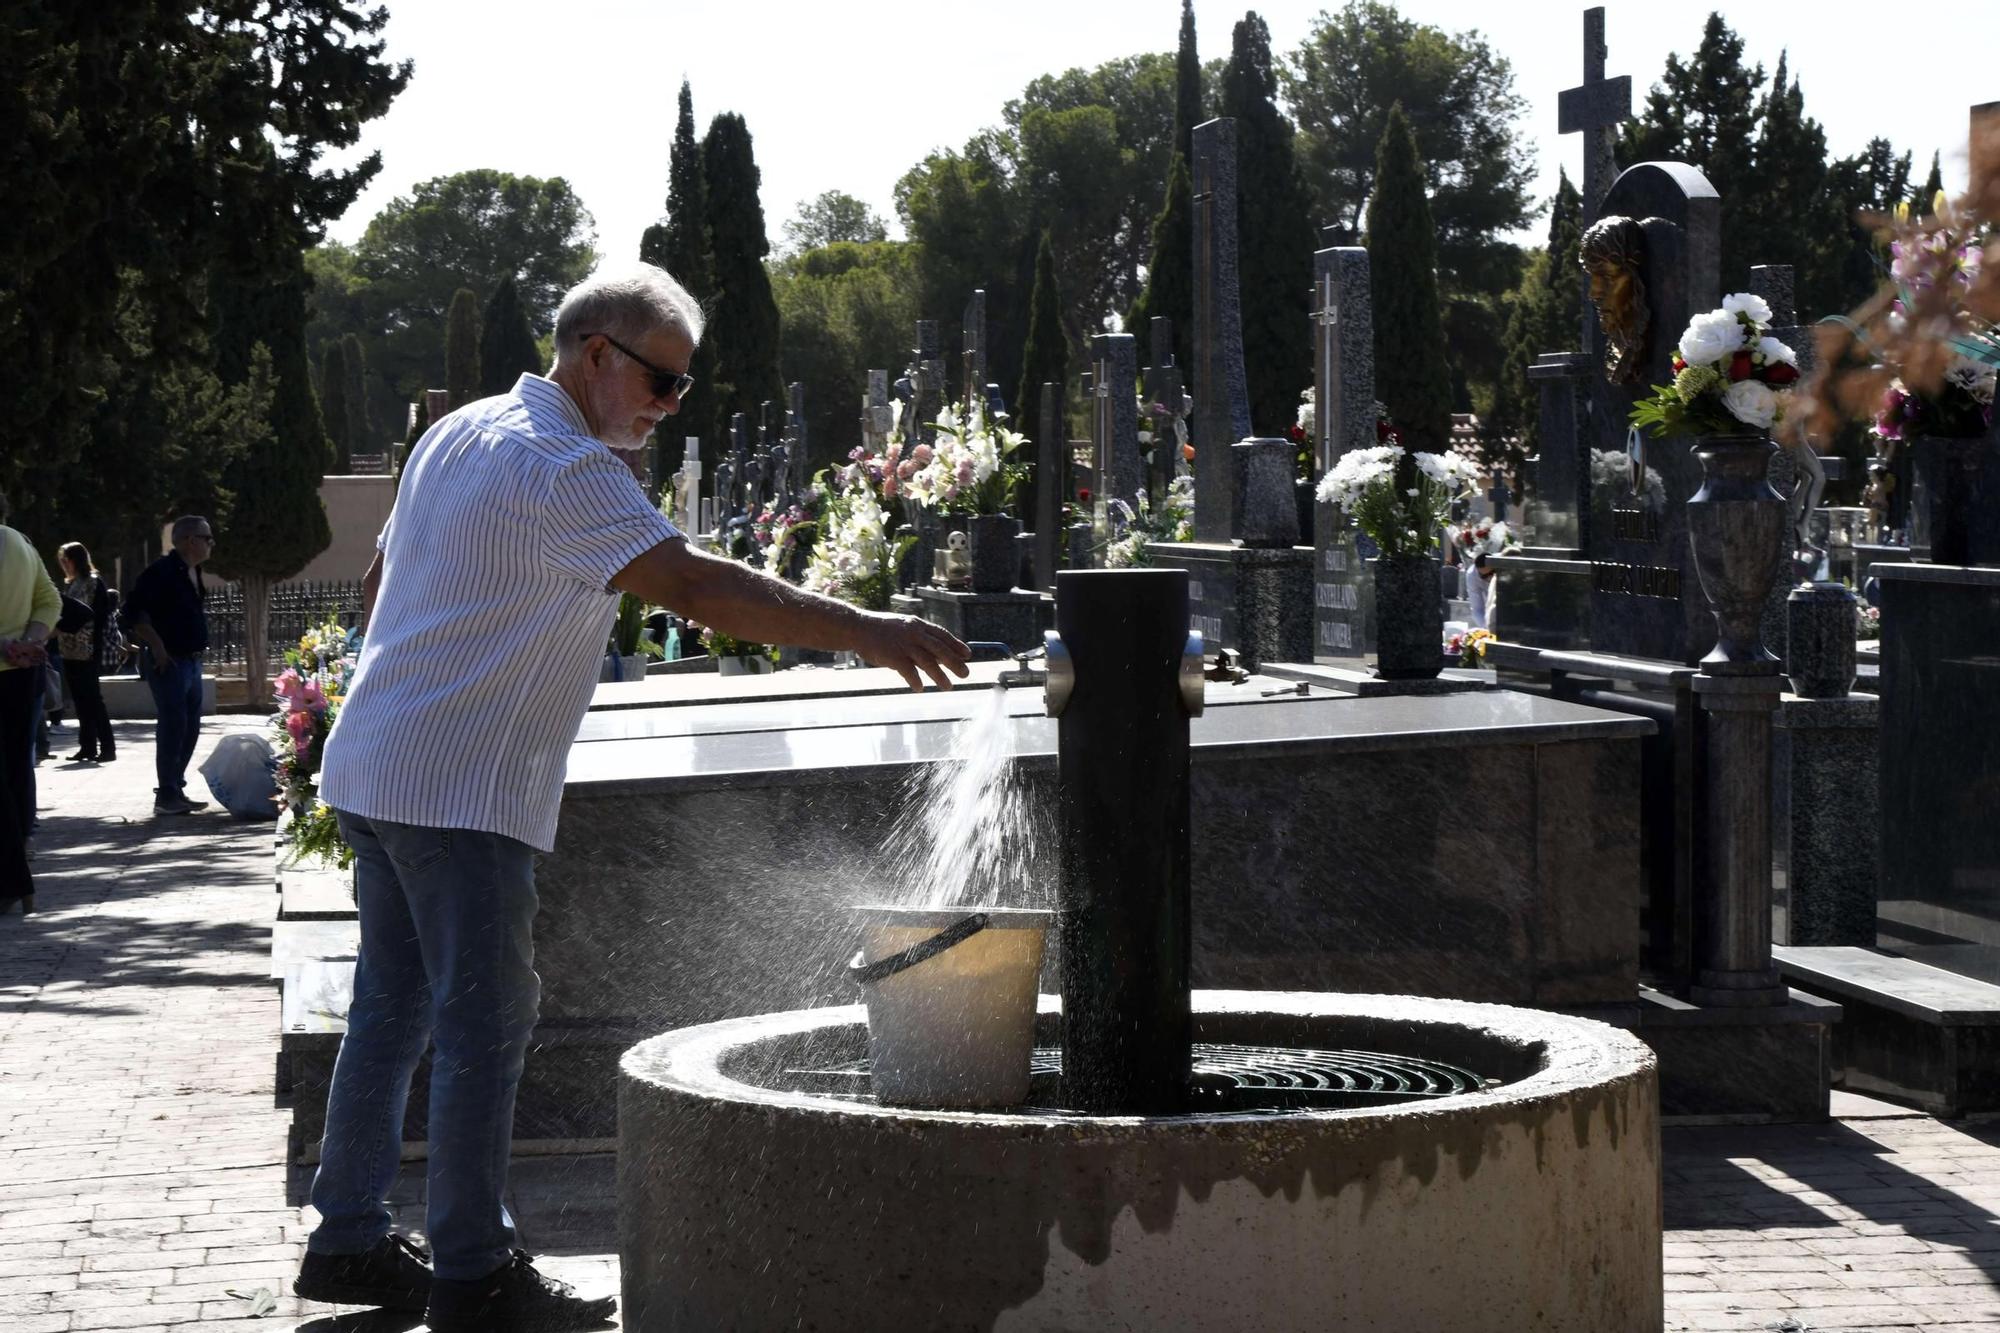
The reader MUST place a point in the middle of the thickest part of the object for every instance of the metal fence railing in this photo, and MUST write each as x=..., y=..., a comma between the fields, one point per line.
x=295, y=607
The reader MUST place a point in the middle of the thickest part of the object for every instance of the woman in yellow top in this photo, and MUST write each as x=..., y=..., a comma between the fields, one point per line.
x=29, y=605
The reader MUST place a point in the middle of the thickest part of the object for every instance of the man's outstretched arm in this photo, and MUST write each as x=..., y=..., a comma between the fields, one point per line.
x=746, y=604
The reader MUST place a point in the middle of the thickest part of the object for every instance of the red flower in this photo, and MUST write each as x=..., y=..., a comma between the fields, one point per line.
x=1679, y=365
x=1083, y=494
x=1739, y=366
x=1780, y=373
x=1298, y=433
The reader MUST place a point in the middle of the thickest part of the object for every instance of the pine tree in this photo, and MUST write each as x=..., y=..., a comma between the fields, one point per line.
x=360, y=420
x=461, y=348
x=333, y=406
x=1275, y=236
x=1704, y=112
x=743, y=324
x=507, y=348
x=1411, y=377
x=1543, y=319
x=1044, y=360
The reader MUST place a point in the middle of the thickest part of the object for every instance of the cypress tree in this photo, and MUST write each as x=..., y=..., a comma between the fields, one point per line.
x=1044, y=360
x=360, y=421
x=1169, y=287
x=743, y=326
x=680, y=245
x=333, y=406
x=1543, y=319
x=507, y=347
x=1411, y=376
x=461, y=348
x=1274, y=234
x=1926, y=201
x=1187, y=85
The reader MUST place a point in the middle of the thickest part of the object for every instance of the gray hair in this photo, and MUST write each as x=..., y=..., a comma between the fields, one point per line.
x=186, y=524
x=627, y=305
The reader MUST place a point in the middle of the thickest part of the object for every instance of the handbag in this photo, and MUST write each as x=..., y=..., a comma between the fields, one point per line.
x=75, y=636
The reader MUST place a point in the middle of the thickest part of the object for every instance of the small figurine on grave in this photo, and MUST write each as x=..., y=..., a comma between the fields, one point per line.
x=1613, y=254
x=952, y=566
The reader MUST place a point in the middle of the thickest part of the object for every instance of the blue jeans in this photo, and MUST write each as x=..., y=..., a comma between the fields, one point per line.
x=447, y=954
x=177, y=704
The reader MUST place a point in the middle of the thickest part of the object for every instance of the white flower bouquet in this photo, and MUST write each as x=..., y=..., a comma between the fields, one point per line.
x=1398, y=498
x=1731, y=377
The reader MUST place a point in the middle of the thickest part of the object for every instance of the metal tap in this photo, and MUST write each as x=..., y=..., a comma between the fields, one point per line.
x=1022, y=673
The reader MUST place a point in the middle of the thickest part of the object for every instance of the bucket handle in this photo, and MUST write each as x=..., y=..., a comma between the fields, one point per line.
x=883, y=968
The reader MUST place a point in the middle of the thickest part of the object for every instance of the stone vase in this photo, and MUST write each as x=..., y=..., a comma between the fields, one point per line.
x=1409, y=618
x=1950, y=472
x=1819, y=640
x=995, y=558
x=1737, y=527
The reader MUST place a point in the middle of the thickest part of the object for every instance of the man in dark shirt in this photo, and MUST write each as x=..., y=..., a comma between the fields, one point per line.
x=164, y=613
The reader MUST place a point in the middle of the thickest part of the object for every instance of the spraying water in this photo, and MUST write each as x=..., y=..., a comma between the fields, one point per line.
x=970, y=833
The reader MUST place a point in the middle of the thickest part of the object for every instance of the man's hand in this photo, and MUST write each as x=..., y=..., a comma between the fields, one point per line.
x=29, y=652
x=907, y=645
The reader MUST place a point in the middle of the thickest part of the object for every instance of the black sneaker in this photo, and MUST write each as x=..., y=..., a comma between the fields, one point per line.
x=516, y=1299
x=395, y=1274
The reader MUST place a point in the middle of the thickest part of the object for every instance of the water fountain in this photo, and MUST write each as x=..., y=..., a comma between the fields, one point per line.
x=1184, y=1159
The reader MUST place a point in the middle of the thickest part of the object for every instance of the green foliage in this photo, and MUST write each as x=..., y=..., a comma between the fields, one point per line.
x=1459, y=98
x=1927, y=193
x=1045, y=354
x=333, y=405
x=1188, y=111
x=142, y=141
x=743, y=319
x=1170, y=272
x=1275, y=235
x=461, y=349
x=844, y=309
x=1411, y=376
x=360, y=414
x=833, y=216
x=1542, y=317
x=680, y=245
x=629, y=626
x=507, y=348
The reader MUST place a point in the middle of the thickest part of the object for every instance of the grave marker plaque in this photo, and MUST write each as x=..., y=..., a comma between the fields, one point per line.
x=1343, y=420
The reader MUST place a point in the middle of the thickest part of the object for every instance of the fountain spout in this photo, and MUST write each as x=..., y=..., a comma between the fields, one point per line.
x=1124, y=678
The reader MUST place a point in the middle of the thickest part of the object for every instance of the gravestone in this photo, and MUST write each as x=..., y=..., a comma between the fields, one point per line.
x=1163, y=390
x=973, y=361
x=798, y=476
x=877, y=420
x=1114, y=418
x=739, y=462
x=1051, y=486
x=1221, y=392
x=1595, y=109
x=1646, y=598
x=1343, y=420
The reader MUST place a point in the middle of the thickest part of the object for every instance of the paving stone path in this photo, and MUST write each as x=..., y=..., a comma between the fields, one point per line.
x=143, y=1183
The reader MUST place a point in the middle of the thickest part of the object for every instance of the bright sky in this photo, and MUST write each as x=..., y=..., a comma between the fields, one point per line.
x=849, y=97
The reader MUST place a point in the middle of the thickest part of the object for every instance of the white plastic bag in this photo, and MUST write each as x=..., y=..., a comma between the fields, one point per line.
x=239, y=776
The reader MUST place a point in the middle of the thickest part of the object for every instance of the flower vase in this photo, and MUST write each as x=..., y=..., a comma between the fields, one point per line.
x=743, y=666
x=1737, y=526
x=1949, y=469
x=995, y=557
x=1409, y=618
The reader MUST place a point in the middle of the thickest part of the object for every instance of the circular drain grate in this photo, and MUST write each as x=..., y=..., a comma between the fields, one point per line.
x=1239, y=1079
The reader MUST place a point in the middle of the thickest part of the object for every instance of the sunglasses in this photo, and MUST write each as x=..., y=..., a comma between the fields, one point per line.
x=666, y=383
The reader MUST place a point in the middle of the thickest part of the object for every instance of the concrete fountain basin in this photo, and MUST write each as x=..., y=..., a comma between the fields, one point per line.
x=757, y=1190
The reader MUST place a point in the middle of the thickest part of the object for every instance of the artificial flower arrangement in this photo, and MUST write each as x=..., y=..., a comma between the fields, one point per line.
x=720, y=645
x=974, y=468
x=1470, y=646
x=777, y=534
x=1943, y=262
x=1158, y=421
x=309, y=692
x=1730, y=375
x=1867, y=621
x=856, y=556
x=1482, y=536
x=1399, y=498
x=1135, y=524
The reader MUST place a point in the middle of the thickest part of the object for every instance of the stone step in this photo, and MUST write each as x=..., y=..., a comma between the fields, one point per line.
x=298, y=941
x=314, y=893
x=1912, y=1031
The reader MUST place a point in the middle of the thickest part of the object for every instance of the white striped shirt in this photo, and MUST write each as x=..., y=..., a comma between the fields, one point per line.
x=490, y=621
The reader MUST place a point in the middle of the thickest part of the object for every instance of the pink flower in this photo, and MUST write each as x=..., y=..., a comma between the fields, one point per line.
x=890, y=485
x=907, y=468
x=302, y=744
x=314, y=696
x=923, y=453
x=299, y=725
x=288, y=685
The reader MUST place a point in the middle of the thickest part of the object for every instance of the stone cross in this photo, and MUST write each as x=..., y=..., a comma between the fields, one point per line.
x=1595, y=108
x=796, y=479
x=740, y=469
x=1221, y=392
x=1114, y=431
x=1163, y=389
x=1051, y=484
x=973, y=364
x=926, y=376
x=875, y=414
x=1343, y=421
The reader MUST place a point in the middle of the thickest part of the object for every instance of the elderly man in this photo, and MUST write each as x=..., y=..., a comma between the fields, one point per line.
x=492, y=591
x=165, y=614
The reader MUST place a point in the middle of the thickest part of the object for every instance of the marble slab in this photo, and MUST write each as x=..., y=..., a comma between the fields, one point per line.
x=676, y=691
